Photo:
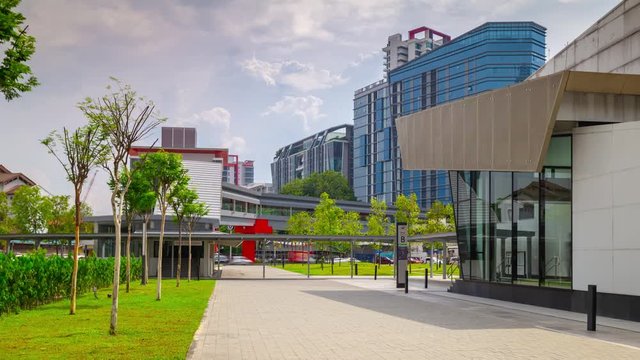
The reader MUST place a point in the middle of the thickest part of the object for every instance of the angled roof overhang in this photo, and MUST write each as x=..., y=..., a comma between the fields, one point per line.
x=508, y=129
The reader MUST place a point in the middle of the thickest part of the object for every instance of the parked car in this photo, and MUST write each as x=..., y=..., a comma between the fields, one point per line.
x=384, y=260
x=415, y=260
x=240, y=260
x=454, y=259
x=220, y=258
x=345, y=260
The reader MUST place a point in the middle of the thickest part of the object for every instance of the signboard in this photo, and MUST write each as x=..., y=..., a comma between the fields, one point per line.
x=403, y=235
x=402, y=253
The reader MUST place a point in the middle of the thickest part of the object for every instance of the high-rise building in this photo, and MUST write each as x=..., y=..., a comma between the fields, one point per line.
x=330, y=149
x=246, y=173
x=491, y=56
x=398, y=52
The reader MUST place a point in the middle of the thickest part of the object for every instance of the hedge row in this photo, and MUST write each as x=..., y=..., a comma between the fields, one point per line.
x=34, y=279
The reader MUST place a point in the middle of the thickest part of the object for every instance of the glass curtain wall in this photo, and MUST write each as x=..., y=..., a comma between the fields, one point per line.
x=515, y=227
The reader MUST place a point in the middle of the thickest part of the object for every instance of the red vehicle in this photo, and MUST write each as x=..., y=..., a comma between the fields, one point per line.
x=384, y=260
x=415, y=260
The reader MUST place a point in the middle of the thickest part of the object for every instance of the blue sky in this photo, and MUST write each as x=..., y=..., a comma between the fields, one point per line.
x=250, y=75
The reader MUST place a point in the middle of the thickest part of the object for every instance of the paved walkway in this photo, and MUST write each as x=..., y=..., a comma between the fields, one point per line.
x=287, y=318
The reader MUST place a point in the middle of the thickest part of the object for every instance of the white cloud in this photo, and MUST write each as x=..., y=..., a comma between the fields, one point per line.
x=300, y=76
x=306, y=108
x=217, y=123
x=362, y=57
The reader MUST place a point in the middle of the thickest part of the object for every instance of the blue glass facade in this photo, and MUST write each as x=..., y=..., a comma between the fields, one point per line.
x=488, y=57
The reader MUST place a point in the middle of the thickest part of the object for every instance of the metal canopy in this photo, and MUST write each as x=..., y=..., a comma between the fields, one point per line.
x=508, y=129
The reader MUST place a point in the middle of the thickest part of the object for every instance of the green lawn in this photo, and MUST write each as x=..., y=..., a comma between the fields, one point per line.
x=146, y=328
x=364, y=269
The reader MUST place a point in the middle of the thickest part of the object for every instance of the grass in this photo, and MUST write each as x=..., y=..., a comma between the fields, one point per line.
x=146, y=328
x=364, y=269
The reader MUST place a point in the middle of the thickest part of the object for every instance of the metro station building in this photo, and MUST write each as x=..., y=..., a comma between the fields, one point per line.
x=544, y=175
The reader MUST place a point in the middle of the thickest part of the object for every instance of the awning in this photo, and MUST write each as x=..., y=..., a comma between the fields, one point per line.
x=508, y=129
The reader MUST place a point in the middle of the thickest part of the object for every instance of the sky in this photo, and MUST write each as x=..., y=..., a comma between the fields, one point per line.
x=252, y=76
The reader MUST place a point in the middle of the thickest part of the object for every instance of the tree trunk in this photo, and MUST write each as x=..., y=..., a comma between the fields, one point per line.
x=160, y=240
x=116, y=269
x=179, y=253
x=145, y=256
x=189, y=270
x=76, y=248
x=128, y=254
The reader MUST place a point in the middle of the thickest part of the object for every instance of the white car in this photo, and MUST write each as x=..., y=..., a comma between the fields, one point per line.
x=240, y=260
x=220, y=258
x=345, y=260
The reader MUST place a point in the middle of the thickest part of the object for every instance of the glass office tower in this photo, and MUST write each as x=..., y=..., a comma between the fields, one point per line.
x=491, y=56
x=515, y=227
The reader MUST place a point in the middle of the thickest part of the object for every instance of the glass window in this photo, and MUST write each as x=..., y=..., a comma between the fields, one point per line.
x=557, y=227
x=500, y=223
x=526, y=191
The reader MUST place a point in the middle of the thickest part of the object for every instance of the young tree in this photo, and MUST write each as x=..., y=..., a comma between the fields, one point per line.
x=123, y=118
x=61, y=219
x=165, y=171
x=378, y=223
x=193, y=213
x=408, y=211
x=31, y=210
x=78, y=153
x=15, y=75
x=327, y=220
x=300, y=224
x=180, y=198
x=142, y=200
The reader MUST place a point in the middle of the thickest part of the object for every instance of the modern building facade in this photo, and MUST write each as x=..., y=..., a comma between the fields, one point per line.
x=544, y=175
x=488, y=57
x=238, y=172
x=330, y=149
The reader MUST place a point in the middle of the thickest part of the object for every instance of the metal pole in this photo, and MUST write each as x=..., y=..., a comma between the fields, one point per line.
x=144, y=253
x=406, y=281
x=426, y=278
x=444, y=260
x=375, y=273
x=173, y=245
x=591, y=307
x=351, y=260
x=431, y=261
x=309, y=260
x=263, y=258
x=356, y=265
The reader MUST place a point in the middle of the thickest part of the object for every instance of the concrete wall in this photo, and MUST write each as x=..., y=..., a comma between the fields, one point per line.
x=606, y=208
x=610, y=45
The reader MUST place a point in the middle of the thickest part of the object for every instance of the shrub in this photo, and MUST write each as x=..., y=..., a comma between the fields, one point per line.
x=34, y=279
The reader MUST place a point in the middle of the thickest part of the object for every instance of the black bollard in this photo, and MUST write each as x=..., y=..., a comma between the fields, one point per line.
x=592, y=292
x=332, y=265
x=406, y=281
x=283, y=261
x=356, y=269
x=375, y=273
x=426, y=278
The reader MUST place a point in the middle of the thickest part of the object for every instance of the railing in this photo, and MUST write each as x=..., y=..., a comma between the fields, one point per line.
x=555, y=265
x=451, y=269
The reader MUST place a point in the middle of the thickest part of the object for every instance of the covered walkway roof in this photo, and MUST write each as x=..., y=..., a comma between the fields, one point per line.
x=509, y=129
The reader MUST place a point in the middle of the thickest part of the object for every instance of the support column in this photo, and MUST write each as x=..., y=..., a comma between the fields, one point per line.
x=351, y=260
x=431, y=261
x=263, y=258
x=207, y=259
x=444, y=259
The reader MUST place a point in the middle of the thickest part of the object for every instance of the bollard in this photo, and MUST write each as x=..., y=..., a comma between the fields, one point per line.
x=332, y=265
x=406, y=281
x=592, y=292
x=426, y=278
x=356, y=269
x=375, y=273
x=283, y=261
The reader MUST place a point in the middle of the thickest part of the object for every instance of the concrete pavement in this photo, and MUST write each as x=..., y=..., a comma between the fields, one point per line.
x=288, y=318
